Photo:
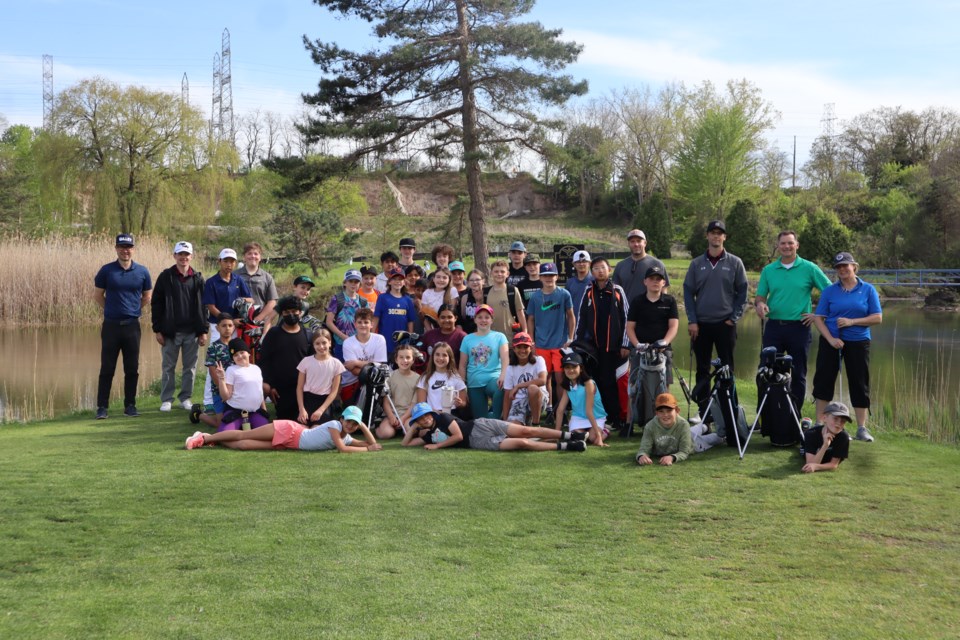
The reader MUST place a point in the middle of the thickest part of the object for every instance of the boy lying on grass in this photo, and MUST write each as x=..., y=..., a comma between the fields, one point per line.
x=288, y=434
x=826, y=446
x=667, y=436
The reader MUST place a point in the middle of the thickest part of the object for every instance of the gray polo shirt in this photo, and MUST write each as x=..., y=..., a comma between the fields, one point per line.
x=629, y=274
x=261, y=285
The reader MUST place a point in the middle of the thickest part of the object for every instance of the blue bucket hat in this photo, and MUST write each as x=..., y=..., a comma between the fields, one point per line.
x=419, y=410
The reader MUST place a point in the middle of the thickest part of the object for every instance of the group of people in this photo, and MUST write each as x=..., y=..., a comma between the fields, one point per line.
x=510, y=351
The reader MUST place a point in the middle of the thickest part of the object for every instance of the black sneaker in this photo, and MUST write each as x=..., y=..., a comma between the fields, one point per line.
x=575, y=445
x=101, y=413
x=195, y=412
x=578, y=436
x=131, y=411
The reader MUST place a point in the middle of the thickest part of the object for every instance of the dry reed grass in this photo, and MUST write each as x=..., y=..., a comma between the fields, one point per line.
x=50, y=281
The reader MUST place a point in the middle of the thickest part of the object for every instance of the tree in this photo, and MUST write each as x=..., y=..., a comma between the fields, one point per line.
x=316, y=235
x=468, y=66
x=823, y=236
x=654, y=219
x=745, y=234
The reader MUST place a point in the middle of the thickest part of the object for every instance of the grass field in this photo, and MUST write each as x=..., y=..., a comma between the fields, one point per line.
x=111, y=530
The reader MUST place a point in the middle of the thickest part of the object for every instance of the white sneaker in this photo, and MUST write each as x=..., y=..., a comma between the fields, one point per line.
x=166, y=406
x=187, y=405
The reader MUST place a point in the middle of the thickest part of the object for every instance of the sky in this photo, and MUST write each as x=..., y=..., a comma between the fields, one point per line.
x=854, y=54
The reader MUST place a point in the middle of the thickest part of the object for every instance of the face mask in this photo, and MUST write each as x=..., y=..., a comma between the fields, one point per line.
x=290, y=320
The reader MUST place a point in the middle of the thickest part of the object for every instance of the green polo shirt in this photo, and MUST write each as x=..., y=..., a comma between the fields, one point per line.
x=787, y=291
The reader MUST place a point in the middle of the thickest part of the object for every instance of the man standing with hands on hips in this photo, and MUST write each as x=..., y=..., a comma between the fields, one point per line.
x=121, y=288
x=783, y=302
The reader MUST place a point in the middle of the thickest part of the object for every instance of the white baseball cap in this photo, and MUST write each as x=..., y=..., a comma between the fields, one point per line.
x=228, y=253
x=580, y=256
x=183, y=247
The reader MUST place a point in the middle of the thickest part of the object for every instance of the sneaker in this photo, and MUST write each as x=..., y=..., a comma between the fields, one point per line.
x=166, y=406
x=578, y=436
x=195, y=441
x=187, y=405
x=195, y=411
x=101, y=413
x=131, y=411
x=863, y=435
x=575, y=445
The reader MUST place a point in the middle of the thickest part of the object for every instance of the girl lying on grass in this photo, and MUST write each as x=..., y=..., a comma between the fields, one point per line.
x=432, y=430
x=287, y=434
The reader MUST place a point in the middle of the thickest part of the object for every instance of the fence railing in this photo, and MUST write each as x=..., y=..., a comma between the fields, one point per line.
x=910, y=277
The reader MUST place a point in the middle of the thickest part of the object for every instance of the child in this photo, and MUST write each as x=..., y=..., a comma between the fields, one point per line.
x=581, y=393
x=395, y=310
x=343, y=309
x=433, y=431
x=666, y=436
x=442, y=291
x=525, y=384
x=551, y=322
x=218, y=353
x=388, y=262
x=506, y=299
x=302, y=285
x=318, y=384
x=470, y=299
x=458, y=274
x=440, y=375
x=287, y=434
x=368, y=282
x=526, y=287
x=241, y=387
x=827, y=446
x=359, y=350
x=483, y=355
x=403, y=391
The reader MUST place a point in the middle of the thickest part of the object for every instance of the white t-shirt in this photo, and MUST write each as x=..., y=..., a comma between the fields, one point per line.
x=433, y=298
x=373, y=350
x=434, y=387
x=319, y=374
x=520, y=373
x=247, y=383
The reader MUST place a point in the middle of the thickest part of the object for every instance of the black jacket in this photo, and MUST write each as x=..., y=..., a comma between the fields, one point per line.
x=177, y=306
x=603, y=317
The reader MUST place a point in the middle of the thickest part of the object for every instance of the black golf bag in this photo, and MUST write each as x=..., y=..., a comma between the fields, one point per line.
x=373, y=387
x=720, y=405
x=777, y=417
x=648, y=379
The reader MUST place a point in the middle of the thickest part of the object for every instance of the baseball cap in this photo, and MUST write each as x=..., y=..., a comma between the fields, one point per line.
x=716, y=224
x=522, y=337
x=368, y=271
x=484, y=307
x=518, y=246
x=408, y=242
x=654, y=271
x=124, y=240
x=228, y=253
x=303, y=280
x=838, y=409
x=236, y=345
x=666, y=400
x=530, y=258
x=352, y=413
x=843, y=257
x=581, y=256
x=352, y=274
x=456, y=265
x=396, y=272
x=571, y=357
x=183, y=247
x=636, y=233
x=549, y=269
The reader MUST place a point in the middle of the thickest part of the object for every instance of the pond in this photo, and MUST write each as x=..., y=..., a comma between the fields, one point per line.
x=52, y=371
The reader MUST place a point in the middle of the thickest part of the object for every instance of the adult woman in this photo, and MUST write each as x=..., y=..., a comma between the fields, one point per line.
x=844, y=315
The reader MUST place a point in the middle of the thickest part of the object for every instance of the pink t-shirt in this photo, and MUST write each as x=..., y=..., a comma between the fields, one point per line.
x=320, y=374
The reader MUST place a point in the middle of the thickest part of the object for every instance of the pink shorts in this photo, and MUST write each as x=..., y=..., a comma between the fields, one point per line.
x=552, y=358
x=286, y=434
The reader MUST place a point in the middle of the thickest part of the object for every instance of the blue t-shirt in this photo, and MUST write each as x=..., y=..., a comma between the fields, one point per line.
x=393, y=314
x=836, y=303
x=124, y=289
x=576, y=289
x=483, y=357
x=219, y=292
x=549, y=312
x=318, y=438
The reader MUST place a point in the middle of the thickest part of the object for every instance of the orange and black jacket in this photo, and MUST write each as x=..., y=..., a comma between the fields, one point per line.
x=603, y=317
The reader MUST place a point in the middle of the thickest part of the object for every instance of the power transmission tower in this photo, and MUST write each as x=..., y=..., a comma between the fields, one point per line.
x=826, y=122
x=216, y=122
x=185, y=90
x=47, y=91
x=226, y=90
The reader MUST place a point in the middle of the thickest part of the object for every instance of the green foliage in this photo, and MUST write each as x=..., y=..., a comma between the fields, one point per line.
x=316, y=235
x=455, y=229
x=745, y=235
x=822, y=236
x=654, y=218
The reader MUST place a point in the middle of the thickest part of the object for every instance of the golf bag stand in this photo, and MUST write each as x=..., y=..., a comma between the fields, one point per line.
x=375, y=385
x=648, y=379
x=723, y=398
x=776, y=413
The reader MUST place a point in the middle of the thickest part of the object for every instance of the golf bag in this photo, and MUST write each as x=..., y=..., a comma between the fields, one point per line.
x=250, y=330
x=776, y=412
x=373, y=387
x=421, y=357
x=648, y=379
x=722, y=404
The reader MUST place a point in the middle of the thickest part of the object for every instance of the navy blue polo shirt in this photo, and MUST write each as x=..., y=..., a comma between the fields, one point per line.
x=124, y=290
x=219, y=292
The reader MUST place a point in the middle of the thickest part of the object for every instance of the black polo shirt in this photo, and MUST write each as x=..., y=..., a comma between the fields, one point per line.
x=652, y=318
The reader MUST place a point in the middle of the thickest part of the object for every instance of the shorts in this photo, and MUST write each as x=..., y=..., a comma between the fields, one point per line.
x=552, y=358
x=348, y=391
x=218, y=406
x=519, y=410
x=582, y=424
x=232, y=419
x=286, y=434
x=488, y=433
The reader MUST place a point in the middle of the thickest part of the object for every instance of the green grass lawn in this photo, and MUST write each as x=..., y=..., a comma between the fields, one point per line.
x=111, y=530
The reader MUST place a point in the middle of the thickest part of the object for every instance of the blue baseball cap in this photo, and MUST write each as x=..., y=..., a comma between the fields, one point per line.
x=456, y=265
x=549, y=269
x=518, y=246
x=352, y=413
x=352, y=274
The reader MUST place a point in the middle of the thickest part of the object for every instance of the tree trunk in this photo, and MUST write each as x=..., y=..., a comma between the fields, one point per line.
x=471, y=142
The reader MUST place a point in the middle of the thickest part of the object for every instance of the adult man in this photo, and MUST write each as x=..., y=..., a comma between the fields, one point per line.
x=408, y=246
x=280, y=352
x=121, y=288
x=262, y=287
x=531, y=283
x=603, y=319
x=516, y=270
x=783, y=302
x=714, y=294
x=179, y=324
x=629, y=273
x=579, y=282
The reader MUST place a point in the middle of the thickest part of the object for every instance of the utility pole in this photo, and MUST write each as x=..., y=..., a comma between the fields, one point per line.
x=47, y=91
